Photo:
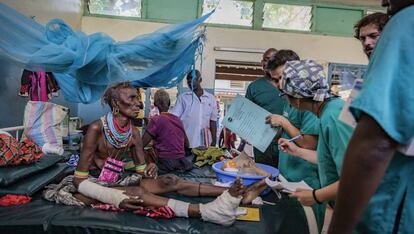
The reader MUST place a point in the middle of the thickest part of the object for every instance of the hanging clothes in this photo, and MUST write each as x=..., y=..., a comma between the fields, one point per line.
x=39, y=85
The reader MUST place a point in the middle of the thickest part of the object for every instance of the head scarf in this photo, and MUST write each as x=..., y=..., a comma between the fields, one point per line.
x=305, y=79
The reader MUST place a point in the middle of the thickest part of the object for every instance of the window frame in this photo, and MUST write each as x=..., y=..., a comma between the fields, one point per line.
x=87, y=12
x=291, y=30
x=257, y=22
x=200, y=13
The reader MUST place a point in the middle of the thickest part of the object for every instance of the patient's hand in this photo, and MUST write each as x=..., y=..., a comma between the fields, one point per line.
x=132, y=203
x=151, y=170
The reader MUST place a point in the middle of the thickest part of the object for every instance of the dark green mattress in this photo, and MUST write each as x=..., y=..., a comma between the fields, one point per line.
x=40, y=216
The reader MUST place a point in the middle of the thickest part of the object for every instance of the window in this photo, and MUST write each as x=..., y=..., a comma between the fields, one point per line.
x=235, y=84
x=130, y=8
x=229, y=12
x=287, y=17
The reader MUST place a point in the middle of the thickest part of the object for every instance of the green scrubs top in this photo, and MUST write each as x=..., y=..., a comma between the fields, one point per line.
x=388, y=97
x=333, y=140
x=295, y=169
x=266, y=95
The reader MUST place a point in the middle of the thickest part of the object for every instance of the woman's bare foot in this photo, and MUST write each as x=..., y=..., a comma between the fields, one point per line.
x=253, y=191
x=237, y=188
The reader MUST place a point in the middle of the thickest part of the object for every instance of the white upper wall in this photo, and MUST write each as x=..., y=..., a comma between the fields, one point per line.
x=319, y=47
x=70, y=11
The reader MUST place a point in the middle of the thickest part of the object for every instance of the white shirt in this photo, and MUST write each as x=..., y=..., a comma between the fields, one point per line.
x=196, y=114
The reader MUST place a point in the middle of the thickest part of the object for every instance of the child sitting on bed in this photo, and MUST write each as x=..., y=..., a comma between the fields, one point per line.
x=96, y=177
x=168, y=135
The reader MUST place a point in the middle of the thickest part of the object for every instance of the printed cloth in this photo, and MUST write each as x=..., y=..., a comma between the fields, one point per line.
x=11, y=200
x=63, y=192
x=43, y=122
x=207, y=157
x=14, y=153
x=305, y=79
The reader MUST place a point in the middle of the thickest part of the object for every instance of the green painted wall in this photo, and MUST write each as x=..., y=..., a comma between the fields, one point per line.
x=171, y=10
x=336, y=21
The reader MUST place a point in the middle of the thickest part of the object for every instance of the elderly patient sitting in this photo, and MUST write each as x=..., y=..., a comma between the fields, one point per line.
x=168, y=134
x=99, y=176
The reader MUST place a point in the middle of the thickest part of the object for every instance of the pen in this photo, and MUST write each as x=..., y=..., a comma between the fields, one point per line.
x=295, y=138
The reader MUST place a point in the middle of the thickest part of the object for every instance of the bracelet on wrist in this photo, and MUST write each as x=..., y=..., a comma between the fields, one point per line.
x=140, y=168
x=81, y=174
x=314, y=196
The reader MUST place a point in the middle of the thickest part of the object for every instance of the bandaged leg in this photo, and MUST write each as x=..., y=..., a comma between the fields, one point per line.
x=101, y=193
x=222, y=211
x=180, y=208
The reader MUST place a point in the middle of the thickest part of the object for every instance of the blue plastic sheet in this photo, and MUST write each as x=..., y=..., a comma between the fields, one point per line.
x=84, y=65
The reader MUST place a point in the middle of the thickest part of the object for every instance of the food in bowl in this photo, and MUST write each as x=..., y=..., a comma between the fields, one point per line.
x=230, y=166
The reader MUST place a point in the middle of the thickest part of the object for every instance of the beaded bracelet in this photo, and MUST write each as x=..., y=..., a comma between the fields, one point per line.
x=140, y=168
x=81, y=174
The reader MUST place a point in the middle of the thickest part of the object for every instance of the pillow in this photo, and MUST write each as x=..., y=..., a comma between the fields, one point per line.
x=43, y=122
x=30, y=185
x=6, y=133
x=9, y=175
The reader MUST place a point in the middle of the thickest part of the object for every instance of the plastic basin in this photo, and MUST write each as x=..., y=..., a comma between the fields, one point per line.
x=226, y=177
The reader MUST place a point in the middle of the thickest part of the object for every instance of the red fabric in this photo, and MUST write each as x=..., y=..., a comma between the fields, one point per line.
x=10, y=200
x=15, y=153
x=162, y=212
x=107, y=207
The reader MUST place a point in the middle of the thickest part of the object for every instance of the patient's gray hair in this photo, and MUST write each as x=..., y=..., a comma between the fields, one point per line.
x=162, y=99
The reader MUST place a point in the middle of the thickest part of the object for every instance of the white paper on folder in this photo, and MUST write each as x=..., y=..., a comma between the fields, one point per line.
x=347, y=117
x=248, y=121
x=287, y=187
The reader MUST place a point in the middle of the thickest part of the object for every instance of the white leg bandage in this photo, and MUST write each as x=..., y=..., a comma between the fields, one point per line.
x=101, y=193
x=180, y=208
x=222, y=211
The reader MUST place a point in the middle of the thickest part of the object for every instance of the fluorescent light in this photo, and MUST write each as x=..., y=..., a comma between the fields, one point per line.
x=240, y=50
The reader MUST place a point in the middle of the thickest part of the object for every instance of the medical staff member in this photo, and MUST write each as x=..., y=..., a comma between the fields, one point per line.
x=306, y=87
x=376, y=194
x=197, y=109
x=295, y=122
x=263, y=93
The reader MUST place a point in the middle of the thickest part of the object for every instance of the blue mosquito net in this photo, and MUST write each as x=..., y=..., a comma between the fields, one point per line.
x=84, y=65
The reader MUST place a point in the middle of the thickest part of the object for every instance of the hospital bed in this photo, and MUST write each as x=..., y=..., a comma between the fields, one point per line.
x=283, y=215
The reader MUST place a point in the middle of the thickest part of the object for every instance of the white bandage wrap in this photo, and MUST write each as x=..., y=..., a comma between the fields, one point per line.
x=222, y=211
x=101, y=193
x=180, y=208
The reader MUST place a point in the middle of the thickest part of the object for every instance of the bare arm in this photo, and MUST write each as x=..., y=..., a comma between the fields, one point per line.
x=327, y=193
x=292, y=149
x=146, y=139
x=366, y=160
x=306, y=141
x=89, y=147
x=213, y=129
x=308, y=155
x=186, y=142
x=305, y=196
x=138, y=154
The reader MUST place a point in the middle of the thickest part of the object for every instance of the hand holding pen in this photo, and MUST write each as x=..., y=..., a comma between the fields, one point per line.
x=288, y=145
